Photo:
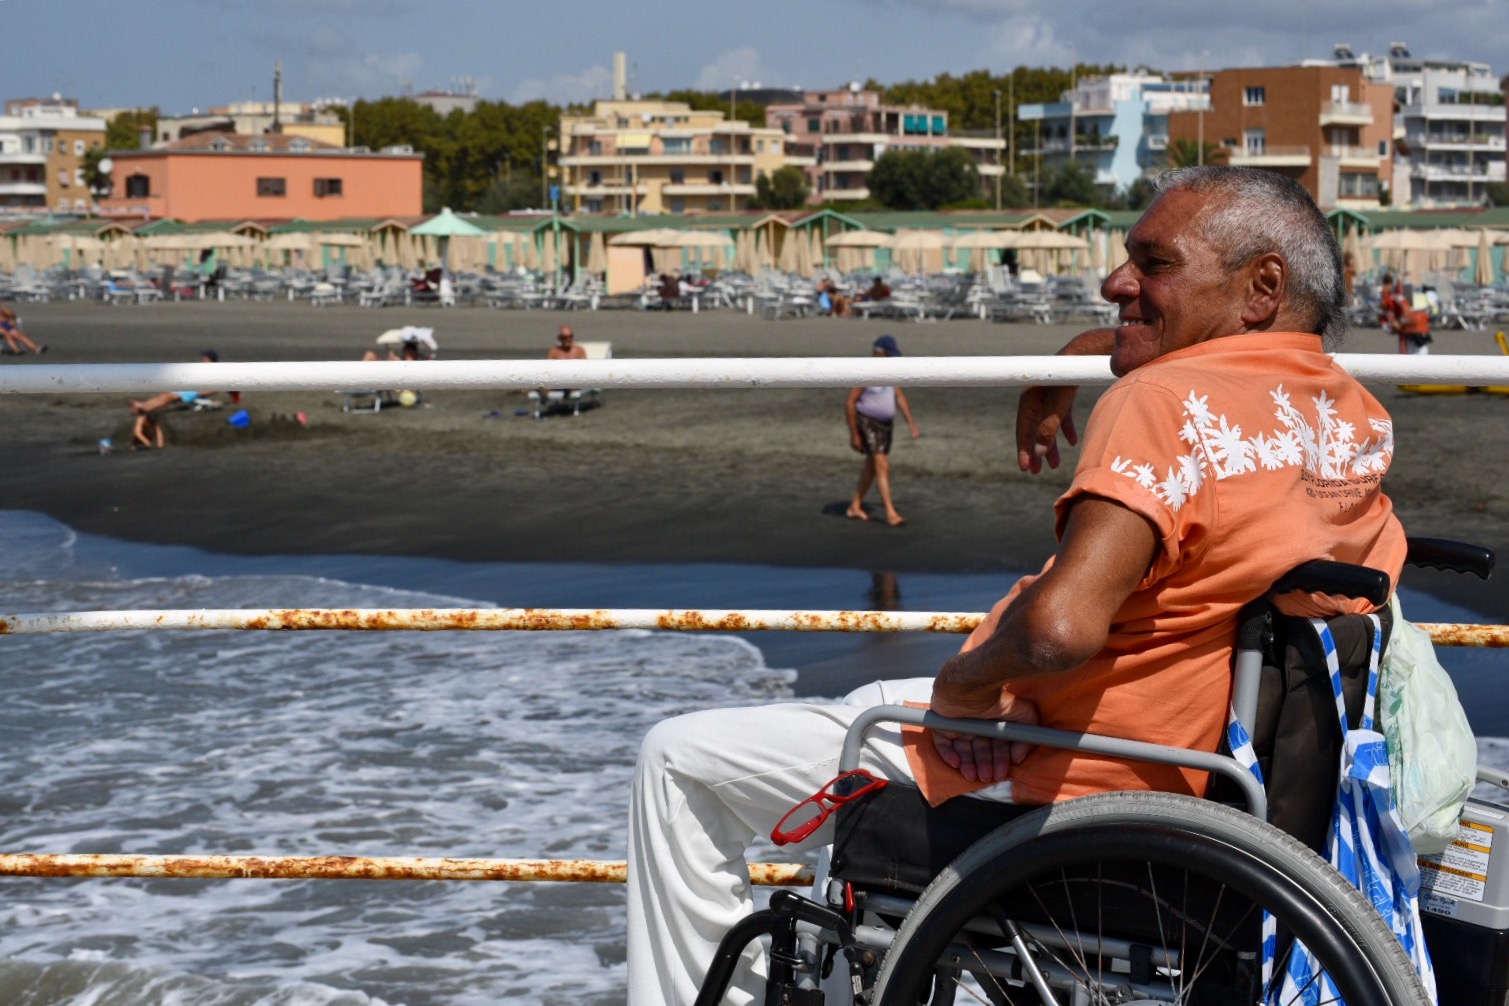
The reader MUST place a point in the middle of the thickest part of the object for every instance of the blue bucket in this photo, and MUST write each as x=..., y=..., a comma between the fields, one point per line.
x=240, y=419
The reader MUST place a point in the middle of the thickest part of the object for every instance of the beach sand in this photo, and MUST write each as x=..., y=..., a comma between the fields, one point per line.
x=747, y=476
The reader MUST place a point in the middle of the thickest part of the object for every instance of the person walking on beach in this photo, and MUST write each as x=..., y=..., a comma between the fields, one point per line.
x=10, y=331
x=1400, y=316
x=872, y=413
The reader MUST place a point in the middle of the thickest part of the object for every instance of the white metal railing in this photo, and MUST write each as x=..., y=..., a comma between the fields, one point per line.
x=809, y=372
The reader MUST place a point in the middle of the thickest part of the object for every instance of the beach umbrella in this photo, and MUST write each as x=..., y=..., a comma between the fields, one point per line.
x=1352, y=246
x=442, y=227
x=1483, y=273
x=409, y=333
x=291, y=241
x=530, y=259
x=550, y=259
x=917, y=250
x=763, y=259
x=1116, y=251
x=786, y=258
x=341, y=239
x=815, y=248
x=858, y=239
x=597, y=254
x=659, y=237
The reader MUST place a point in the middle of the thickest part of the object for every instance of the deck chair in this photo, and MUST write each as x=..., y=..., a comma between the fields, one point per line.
x=572, y=401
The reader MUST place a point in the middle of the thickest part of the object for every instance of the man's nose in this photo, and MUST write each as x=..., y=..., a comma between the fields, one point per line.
x=1119, y=286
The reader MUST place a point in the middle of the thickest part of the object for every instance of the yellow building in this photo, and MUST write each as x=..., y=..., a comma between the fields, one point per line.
x=42, y=147
x=637, y=157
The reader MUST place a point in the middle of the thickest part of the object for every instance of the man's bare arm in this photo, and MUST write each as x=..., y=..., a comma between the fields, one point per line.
x=1056, y=624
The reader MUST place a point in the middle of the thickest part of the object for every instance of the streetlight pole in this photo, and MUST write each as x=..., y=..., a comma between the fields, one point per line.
x=998, y=151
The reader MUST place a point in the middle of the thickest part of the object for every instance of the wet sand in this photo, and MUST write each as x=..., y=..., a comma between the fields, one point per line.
x=651, y=476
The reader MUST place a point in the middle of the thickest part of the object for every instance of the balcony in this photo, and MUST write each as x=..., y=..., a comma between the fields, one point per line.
x=846, y=193
x=1346, y=113
x=1269, y=157
x=1456, y=141
x=610, y=160
x=37, y=189
x=706, y=189
x=1352, y=156
x=18, y=159
x=1458, y=172
x=1157, y=141
x=831, y=166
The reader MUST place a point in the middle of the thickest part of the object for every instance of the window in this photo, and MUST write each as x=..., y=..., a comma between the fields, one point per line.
x=327, y=187
x=78, y=177
x=63, y=177
x=678, y=205
x=272, y=186
x=258, y=146
x=679, y=145
x=678, y=176
x=1255, y=142
x=814, y=125
x=1341, y=93
x=1382, y=148
x=1255, y=96
x=594, y=178
x=138, y=186
x=595, y=148
x=715, y=176
x=1358, y=185
x=78, y=148
x=300, y=145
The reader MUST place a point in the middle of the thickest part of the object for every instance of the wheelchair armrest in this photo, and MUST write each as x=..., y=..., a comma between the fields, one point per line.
x=1116, y=747
x=1451, y=556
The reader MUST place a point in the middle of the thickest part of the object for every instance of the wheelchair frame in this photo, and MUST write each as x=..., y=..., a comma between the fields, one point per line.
x=1318, y=906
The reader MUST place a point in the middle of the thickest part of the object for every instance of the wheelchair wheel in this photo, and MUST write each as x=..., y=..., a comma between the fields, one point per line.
x=1138, y=898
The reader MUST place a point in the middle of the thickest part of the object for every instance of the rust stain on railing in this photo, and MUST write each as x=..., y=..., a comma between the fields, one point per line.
x=1457, y=634
x=589, y=871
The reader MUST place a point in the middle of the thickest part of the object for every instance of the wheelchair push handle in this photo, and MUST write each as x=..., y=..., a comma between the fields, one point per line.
x=1451, y=556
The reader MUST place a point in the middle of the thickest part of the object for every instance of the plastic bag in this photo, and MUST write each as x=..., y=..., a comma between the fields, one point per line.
x=1432, y=754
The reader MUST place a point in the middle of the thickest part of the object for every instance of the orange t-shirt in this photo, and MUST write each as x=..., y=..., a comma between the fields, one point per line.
x=1249, y=455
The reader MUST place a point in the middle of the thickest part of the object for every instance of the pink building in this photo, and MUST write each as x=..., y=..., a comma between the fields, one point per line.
x=234, y=176
x=844, y=131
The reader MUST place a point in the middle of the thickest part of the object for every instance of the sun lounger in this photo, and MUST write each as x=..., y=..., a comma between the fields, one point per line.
x=572, y=401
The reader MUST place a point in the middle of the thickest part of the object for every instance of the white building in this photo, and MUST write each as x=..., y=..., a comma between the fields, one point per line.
x=1448, y=128
x=42, y=146
x=1117, y=126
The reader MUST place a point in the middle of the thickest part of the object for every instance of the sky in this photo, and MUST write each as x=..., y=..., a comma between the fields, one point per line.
x=180, y=55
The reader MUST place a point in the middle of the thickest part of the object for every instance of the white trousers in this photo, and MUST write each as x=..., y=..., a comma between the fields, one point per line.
x=706, y=785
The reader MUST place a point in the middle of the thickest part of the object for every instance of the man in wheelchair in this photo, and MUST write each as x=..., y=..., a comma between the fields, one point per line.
x=1230, y=450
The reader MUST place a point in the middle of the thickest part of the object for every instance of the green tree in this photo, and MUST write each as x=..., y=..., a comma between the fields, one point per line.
x=1498, y=193
x=784, y=189
x=924, y=180
x=100, y=183
x=1187, y=153
x=516, y=190
x=1014, y=192
x=124, y=131
x=1139, y=195
x=1072, y=184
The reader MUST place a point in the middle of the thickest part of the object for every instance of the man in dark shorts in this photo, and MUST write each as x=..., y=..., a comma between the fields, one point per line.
x=872, y=413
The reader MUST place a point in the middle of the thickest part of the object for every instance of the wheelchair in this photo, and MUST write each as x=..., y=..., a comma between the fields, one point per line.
x=1133, y=897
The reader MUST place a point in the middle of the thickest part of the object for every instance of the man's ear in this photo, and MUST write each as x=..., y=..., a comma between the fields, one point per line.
x=1268, y=280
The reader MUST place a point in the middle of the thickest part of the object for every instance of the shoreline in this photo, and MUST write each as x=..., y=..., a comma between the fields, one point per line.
x=684, y=476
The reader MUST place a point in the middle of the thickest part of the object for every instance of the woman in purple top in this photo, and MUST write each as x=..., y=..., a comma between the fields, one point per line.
x=872, y=413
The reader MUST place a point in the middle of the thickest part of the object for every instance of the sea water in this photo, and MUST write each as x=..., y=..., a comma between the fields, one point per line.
x=513, y=745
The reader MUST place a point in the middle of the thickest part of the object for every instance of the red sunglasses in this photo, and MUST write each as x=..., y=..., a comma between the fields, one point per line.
x=808, y=816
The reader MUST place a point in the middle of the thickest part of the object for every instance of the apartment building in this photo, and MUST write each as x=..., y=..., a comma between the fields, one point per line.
x=641, y=157
x=251, y=117
x=1327, y=127
x=42, y=146
x=229, y=176
x=1448, y=124
x=840, y=134
x=1117, y=126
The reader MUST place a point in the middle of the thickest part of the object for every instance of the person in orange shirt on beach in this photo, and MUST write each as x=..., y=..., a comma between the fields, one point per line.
x=1231, y=449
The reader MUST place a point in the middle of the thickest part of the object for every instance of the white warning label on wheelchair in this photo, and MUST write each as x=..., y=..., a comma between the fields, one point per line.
x=1461, y=871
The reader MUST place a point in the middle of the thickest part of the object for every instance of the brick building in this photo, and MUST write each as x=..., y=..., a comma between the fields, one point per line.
x=1328, y=127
